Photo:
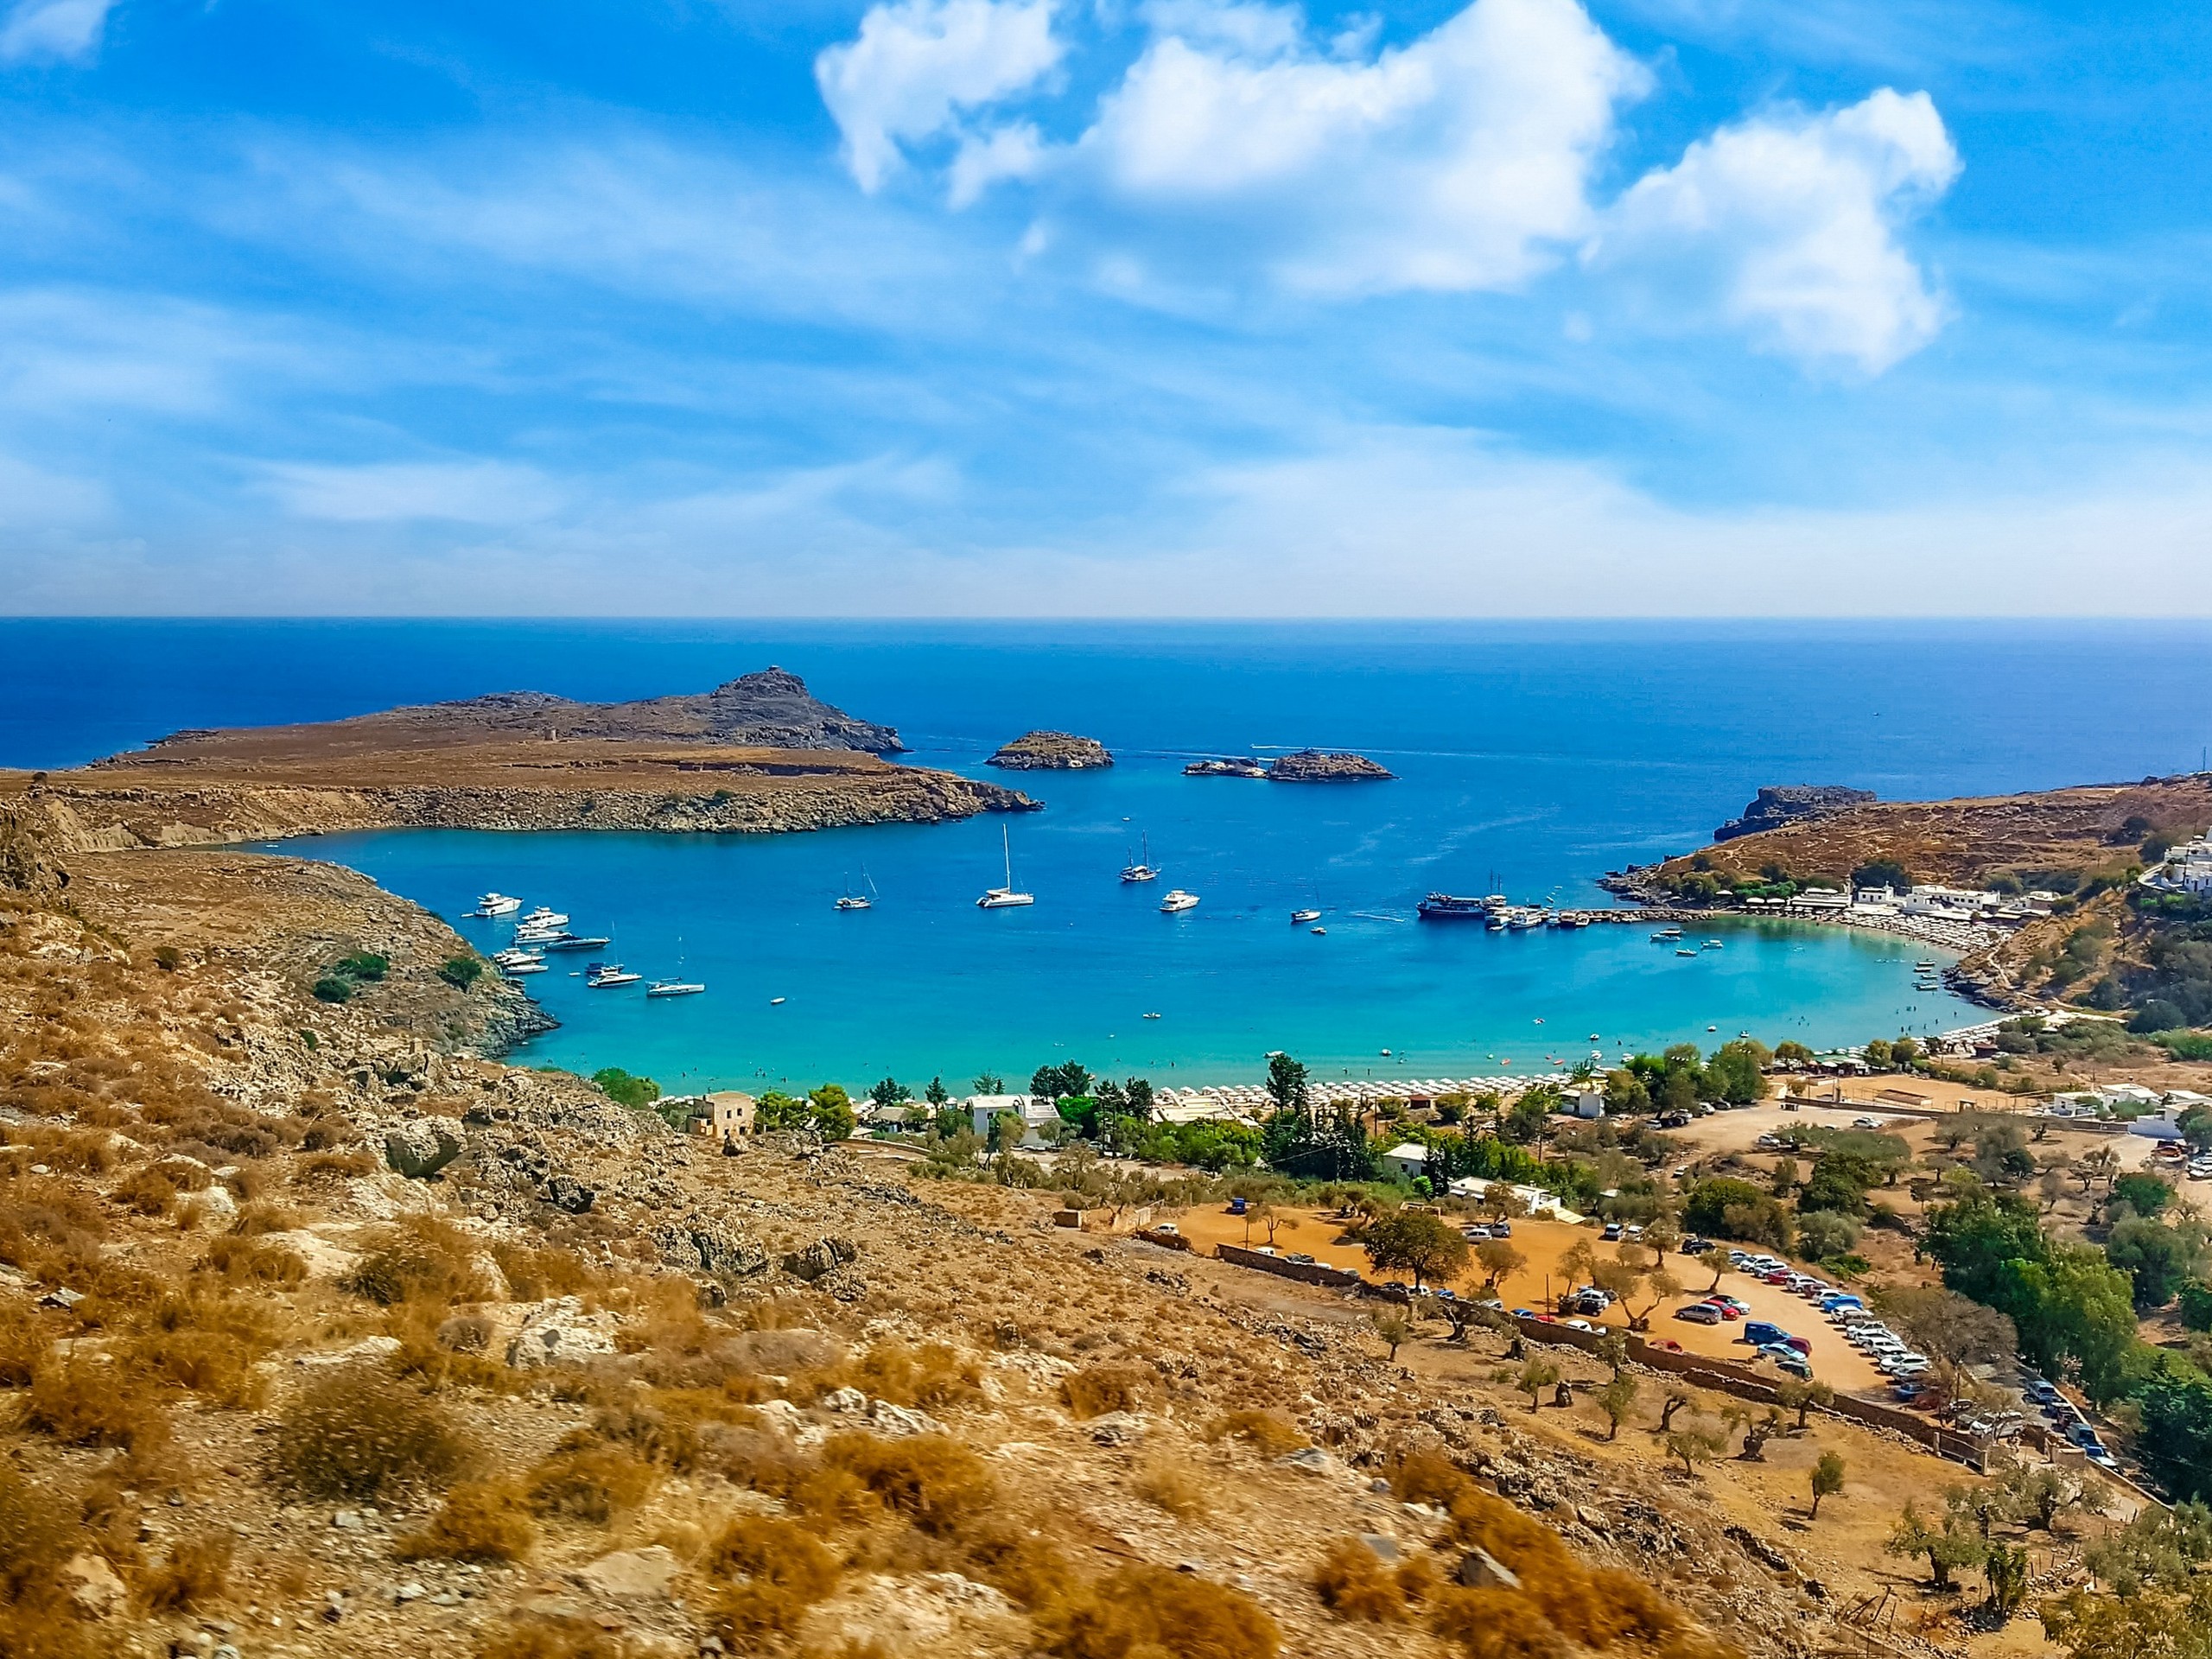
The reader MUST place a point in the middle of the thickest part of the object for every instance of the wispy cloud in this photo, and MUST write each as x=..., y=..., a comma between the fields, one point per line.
x=66, y=31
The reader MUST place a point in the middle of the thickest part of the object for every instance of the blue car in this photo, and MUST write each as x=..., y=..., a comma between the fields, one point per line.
x=1763, y=1333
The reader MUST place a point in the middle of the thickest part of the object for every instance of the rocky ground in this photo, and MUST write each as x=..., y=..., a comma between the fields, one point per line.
x=323, y=1332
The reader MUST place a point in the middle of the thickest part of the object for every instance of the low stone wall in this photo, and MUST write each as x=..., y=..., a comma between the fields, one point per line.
x=1311, y=1273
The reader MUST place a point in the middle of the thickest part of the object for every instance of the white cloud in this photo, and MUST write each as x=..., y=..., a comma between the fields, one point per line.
x=66, y=30
x=469, y=492
x=1459, y=160
x=1253, y=31
x=1786, y=227
x=918, y=65
x=1010, y=152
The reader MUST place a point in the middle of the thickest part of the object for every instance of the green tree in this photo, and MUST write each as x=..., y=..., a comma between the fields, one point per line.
x=1616, y=1399
x=1949, y=1547
x=1800, y=1395
x=1736, y=1071
x=937, y=1094
x=461, y=972
x=1393, y=1327
x=1722, y=1207
x=2156, y=1256
x=331, y=989
x=1417, y=1243
x=989, y=1083
x=830, y=1109
x=776, y=1110
x=1694, y=1445
x=623, y=1090
x=1051, y=1082
x=1827, y=1479
x=2143, y=1192
x=1535, y=1376
x=2176, y=1443
x=1881, y=873
x=1288, y=1085
x=888, y=1093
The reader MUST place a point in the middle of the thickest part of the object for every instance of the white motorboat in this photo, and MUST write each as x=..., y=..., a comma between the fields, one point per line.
x=577, y=942
x=544, y=917
x=1005, y=898
x=1143, y=869
x=1300, y=917
x=1318, y=932
x=496, y=904
x=601, y=974
x=1178, y=899
x=534, y=966
x=674, y=988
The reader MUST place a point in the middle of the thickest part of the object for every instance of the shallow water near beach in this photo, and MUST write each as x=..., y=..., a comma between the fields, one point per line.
x=1531, y=758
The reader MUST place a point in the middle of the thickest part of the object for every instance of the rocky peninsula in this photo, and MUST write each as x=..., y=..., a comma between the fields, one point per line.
x=1042, y=751
x=1784, y=803
x=757, y=756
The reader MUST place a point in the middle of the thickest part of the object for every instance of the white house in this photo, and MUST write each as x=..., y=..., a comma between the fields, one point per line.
x=1406, y=1161
x=1037, y=1115
x=1587, y=1102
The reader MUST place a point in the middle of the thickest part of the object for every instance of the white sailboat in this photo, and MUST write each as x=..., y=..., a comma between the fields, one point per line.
x=1005, y=898
x=852, y=901
x=1144, y=869
x=678, y=987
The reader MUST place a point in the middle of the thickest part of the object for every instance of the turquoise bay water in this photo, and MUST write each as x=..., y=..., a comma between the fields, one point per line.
x=926, y=983
x=1531, y=758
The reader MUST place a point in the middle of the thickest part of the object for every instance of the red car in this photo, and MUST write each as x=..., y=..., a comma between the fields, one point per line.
x=1727, y=1311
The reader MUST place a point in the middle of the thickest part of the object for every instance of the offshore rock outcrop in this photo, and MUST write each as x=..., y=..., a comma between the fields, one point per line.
x=1044, y=750
x=1316, y=766
x=1791, y=803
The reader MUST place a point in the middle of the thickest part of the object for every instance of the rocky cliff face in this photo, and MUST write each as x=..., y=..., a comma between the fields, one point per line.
x=1051, y=752
x=1791, y=803
x=1313, y=766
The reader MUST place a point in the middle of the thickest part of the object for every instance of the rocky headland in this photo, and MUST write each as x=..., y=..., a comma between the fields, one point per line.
x=1043, y=751
x=758, y=756
x=1784, y=803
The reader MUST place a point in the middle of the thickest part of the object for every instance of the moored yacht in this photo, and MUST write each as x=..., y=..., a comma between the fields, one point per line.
x=1300, y=917
x=496, y=904
x=598, y=975
x=577, y=942
x=1143, y=869
x=545, y=916
x=1005, y=898
x=674, y=988
x=1178, y=899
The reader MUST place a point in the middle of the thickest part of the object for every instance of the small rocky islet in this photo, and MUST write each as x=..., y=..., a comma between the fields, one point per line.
x=1300, y=767
x=1044, y=750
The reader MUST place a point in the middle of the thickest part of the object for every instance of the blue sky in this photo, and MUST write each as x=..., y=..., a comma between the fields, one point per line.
x=1105, y=308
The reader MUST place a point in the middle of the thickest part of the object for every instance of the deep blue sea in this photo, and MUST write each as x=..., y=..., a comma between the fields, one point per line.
x=1532, y=758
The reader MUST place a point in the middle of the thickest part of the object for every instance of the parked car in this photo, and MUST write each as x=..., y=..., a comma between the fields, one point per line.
x=1694, y=1246
x=1476, y=1234
x=1237, y=1206
x=1501, y=1229
x=1699, y=1313
x=1866, y=1122
x=1759, y=1332
x=1577, y=1325
x=1612, y=1231
x=1302, y=1259
x=1795, y=1364
x=1721, y=1299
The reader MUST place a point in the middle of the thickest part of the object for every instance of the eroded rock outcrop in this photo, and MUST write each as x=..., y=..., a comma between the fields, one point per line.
x=1791, y=803
x=1042, y=751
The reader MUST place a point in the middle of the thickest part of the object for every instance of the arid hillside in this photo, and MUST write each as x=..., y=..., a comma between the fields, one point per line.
x=323, y=1332
x=2074, y=832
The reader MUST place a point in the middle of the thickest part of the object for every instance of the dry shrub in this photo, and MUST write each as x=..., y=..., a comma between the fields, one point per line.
x=48, y=1230
x=589, y=1482
x=81, y=1403
x=80, y=1151
x=1497, y=1624
x=419, y=1259
x=426, y=1356
x=553, y=1638
x=479, y=1521
x=197, y=1573
x=333, y=1167
x=668, y=1324
x=932, y=1479
x=771, y=1571
x=1353, y=1584
x=145, y=1192
x=1624, y=1604
x=933, y=1375
x=1270, y=1432
x=207, y=1343
x=256, y=1219
x=1153, y=1610
x=537, y=1274
x=1097, y=1390
x=25, y=1344
x=357, y=1433
x=1696, y=1644
x=1167, y=1486
x=756, y=1457
x=244, y=1261
x=36, y=1538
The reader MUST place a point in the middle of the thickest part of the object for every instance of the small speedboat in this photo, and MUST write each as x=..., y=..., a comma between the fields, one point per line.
x=674, y=988
x=1178, y=899
x=1152, y=1016
x=1686, y=953
x=496, y=904
x=1300, y=917
x=778, y=1001
x=1715, y=944
x=1318, y=932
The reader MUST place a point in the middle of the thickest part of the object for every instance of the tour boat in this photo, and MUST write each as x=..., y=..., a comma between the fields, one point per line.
x=601, y=974
x=1005, y=898
x=1452, y=907
x=496, y=904
x=1144, y=869
x=1178, y=899
x=673, y=988
x=1300, y=917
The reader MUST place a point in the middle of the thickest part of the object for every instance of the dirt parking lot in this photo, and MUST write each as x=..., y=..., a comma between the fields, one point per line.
x=1835, y=1362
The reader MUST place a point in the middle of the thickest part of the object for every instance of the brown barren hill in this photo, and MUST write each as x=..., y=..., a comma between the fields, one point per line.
x=2081, y=830
x=756, y=756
